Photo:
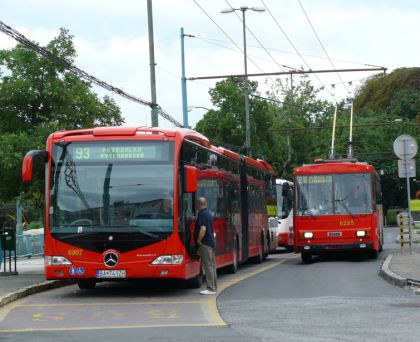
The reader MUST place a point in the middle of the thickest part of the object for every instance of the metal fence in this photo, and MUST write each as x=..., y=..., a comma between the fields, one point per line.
x=30, y=243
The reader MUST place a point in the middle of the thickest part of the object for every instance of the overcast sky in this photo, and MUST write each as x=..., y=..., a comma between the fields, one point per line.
x=111, y=39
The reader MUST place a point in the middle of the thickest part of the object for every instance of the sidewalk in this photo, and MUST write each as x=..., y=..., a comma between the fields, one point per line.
x=30, y=279
x=402, y=270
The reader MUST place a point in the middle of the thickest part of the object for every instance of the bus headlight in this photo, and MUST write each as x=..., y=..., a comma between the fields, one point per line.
x=308, y=235
x=168, y=260
x=56, y=260
x=360, y=233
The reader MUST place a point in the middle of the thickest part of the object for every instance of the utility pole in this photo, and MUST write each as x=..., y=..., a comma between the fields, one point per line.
x=184, y=82
x=246, y=90
x=154, y=113
x=243, y=9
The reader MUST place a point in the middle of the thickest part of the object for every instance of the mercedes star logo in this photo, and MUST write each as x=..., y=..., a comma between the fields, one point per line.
x=111, y=259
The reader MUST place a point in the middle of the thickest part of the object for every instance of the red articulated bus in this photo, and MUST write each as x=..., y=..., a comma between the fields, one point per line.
x=119, y=199
x=337, y=208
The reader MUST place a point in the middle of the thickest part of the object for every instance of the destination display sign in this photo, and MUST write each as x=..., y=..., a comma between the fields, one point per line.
x=315, y=179
x=118, y=150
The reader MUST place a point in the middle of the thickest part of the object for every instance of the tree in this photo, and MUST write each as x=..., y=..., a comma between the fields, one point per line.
x=397, y=93
x=294, y=128
x=37, y=97
x=227, y=124
x=387, y=98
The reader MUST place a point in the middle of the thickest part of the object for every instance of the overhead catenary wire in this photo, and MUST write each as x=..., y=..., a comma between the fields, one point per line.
x=288, y=52
x=294, y=47
x=259, y=42
x=322, y=45
x=224, y=32
x=80, y=73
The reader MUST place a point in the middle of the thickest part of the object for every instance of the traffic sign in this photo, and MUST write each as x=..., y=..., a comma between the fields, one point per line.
x=410, y=171
x=405, y=146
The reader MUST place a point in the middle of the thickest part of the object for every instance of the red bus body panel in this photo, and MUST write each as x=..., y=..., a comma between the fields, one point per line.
x=138, y=263
x=337, y=232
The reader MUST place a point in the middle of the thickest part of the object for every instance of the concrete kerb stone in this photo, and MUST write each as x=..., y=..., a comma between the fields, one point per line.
x=390, y=276
x=31, y=289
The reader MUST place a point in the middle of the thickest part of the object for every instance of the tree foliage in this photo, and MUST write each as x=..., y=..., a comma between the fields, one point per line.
x=397, y=93
x=291, y=127
x=38, y=96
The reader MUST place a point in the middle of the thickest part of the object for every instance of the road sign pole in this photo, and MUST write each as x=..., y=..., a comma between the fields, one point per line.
x=408, y=194
x=405, y=147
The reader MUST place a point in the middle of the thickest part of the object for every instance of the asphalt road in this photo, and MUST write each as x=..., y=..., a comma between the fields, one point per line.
x=338, y=298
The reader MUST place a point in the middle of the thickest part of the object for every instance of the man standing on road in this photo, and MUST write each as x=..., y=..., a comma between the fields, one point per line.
x=206, y=245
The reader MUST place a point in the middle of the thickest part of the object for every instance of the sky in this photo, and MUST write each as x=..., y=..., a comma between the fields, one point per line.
x=111, y=40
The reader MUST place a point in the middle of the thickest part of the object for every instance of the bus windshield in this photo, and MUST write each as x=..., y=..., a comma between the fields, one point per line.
x=284, y=200
x=334, y=194
x=112, y=186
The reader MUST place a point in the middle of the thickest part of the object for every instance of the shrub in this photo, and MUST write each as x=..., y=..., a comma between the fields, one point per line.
x=391, y=216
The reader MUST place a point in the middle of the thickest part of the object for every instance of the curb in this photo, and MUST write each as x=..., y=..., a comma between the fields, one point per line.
x=31, y=289
x=390, y=276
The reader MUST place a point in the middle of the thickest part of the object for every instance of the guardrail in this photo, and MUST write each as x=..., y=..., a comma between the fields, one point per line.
x=30, y=243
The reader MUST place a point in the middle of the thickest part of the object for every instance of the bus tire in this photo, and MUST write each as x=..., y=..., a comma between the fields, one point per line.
x=197, y=281
x=373, y=254
x=260, y=257
x=306, y=257
x=267, y=247
x=290, y=248
x=234, y=267
x=86, y=284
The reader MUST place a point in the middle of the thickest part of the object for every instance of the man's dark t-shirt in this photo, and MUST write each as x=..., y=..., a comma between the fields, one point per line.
x=205, y=218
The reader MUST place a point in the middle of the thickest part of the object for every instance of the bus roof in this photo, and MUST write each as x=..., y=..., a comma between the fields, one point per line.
x=333, y=167
x=181, y=133
x=280, y=181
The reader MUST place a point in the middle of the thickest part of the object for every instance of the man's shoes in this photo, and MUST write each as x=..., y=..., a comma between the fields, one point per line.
x=208, y=292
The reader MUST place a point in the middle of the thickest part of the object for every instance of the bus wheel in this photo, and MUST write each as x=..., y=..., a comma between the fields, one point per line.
x=373, y=254
x=260, y=257
x=234, y=267
x=267, y=247
x=86, y=284
x=306, y=257
x=197, y=281
x=290, y=248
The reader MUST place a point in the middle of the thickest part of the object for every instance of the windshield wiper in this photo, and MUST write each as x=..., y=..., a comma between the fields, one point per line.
x=122, y=229
x=344, y=205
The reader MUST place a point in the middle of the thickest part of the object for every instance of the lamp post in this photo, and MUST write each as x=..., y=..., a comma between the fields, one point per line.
x=190, y=108
x=243, y=9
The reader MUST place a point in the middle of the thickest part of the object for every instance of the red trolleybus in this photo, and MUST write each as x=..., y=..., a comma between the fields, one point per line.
x=337, y=208
x=118, y=201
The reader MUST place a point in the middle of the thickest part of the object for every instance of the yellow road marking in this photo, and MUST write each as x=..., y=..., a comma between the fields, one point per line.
x=160, y=314
x=119, y=303
x=42, y=317
x=211, y=303
x=139, y=326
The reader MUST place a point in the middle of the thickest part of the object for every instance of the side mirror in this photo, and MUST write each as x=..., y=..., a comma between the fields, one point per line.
x=272, y=222
x=190, y=179
x=28, y=163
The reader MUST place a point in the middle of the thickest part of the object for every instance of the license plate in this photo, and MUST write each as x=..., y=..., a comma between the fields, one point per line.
x=334, y=233
x=110, y=274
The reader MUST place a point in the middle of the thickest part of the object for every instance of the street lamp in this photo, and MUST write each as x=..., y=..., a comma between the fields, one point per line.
x=243, y=9
x=190, y=108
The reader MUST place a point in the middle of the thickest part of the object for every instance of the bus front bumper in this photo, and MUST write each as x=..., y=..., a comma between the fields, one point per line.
x=335, y=247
